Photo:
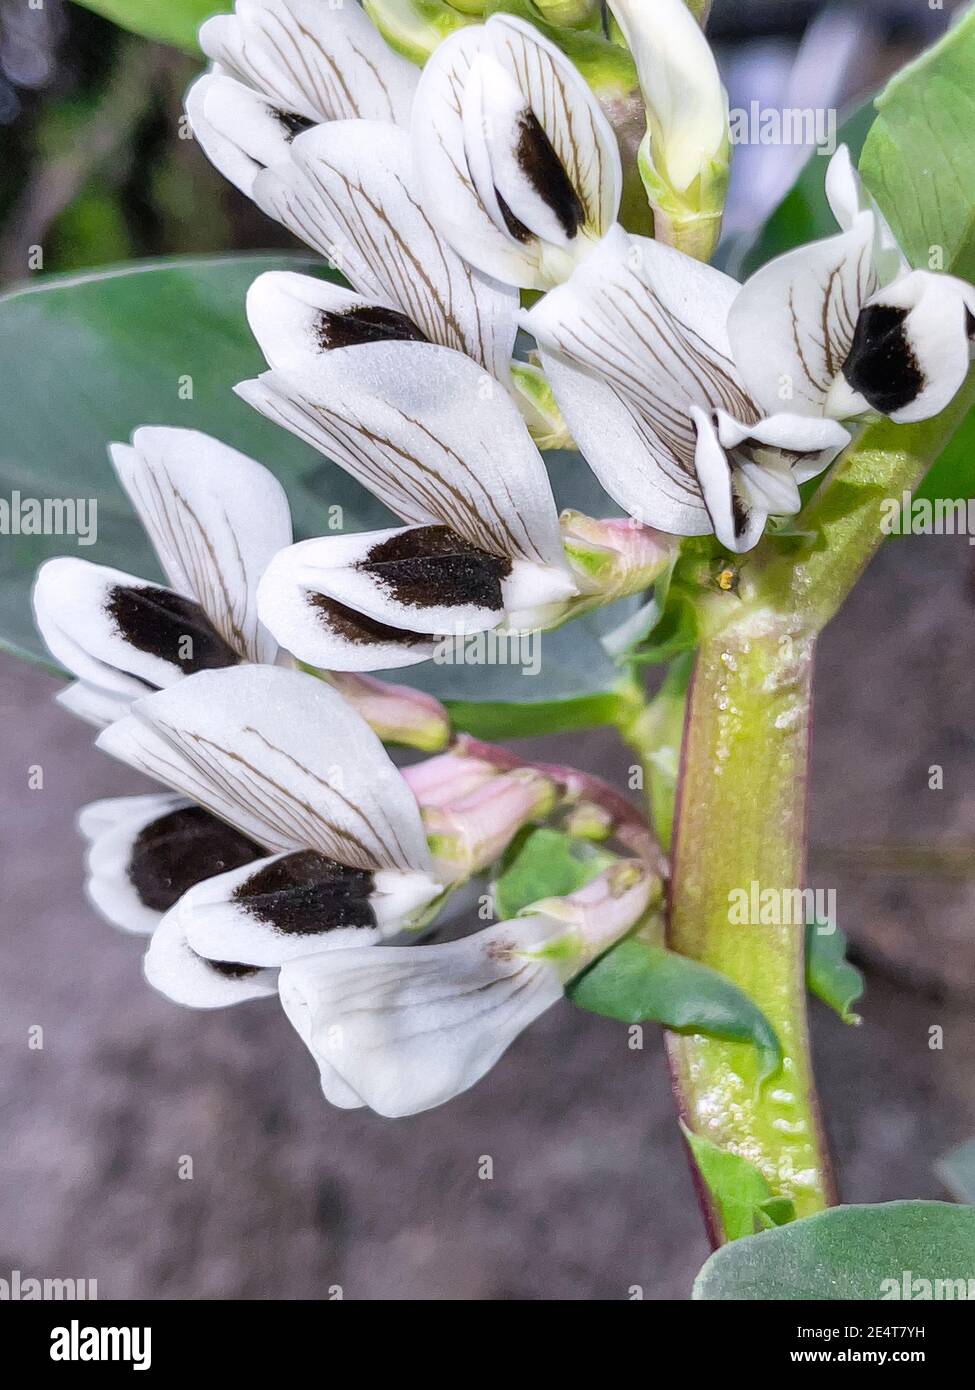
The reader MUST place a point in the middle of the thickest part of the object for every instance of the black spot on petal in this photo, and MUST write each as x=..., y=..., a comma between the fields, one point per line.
x=292, y=123
x=171, y=854
x=882, y=365
x=356, y=627
x=367, y=323
x=306, y=894
x=167, y=625
x=545, y=172
x=431, y=567
x=232, y=969
x=516, y=228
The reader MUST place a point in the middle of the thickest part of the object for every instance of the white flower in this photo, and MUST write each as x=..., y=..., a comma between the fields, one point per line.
x=320, y=61
x=636, y=349
x=436, y=440
x=347, y=189
x=280, y=758
x=843, y=327
x=215, y=518
x=516, y=163
x=401, y=1029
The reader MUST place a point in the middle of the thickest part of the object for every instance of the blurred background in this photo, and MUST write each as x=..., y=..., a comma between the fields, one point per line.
x=590, y=1194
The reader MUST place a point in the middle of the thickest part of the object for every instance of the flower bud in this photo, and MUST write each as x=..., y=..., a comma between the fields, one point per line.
x=684, y=156
x=470, y=833
x=397, y=713
x=615, y=557
x=534, y=399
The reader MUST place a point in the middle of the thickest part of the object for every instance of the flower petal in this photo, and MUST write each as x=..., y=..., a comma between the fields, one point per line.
x=342, y=599
x=737, y=522
x=215, y=518
x=407, y=1028
x=912, y=347
x=293, y=905
x=325, y=61
x=610, y=321
x=848, y=198
x=146, y=851
x=280, y=756
x=239, y=131
x=792, y=325
x=446, y=183
x=175, y=970
x=120, y=633
x=351, y=194
x=93, y=704
x=515, y=158
x=424, y=428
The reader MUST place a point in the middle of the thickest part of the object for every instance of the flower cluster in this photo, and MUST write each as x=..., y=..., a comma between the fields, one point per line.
x=287, y=850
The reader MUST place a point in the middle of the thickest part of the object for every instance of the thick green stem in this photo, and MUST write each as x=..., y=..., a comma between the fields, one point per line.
x=741, y=822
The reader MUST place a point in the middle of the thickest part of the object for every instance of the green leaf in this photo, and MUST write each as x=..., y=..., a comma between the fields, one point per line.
x=850, y=1253
x=638, y=981
x=956, y=1169
x=917, y=158
x=658, y=734
x=829, y=975
x=545, y=863
x=742, y=1198
x=170, y=21
x=165, y=342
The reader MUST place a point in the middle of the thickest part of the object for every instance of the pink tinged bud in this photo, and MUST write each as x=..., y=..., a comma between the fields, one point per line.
x=467, y=835
x=438, y=781
x=614, y=557
x=596, y=916
x=396, y=713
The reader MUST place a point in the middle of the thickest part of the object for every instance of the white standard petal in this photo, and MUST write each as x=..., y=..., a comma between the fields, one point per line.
x=294, y=905
x=408, y=1028
x=173, y=968
x=424, y=428
x=119, y=633
x=215, y=519
x=792, y=326
x=516, y=161
x=282, y=757
x=146, y=851
x=327, y=62
x=657, y=357
x=351, y=194
x=912, y=347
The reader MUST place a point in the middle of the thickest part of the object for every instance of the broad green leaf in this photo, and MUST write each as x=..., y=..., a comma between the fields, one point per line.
x=86, y=358
x=956, y=1169
x=917, y=158
x=918, y=1250
x=741, y=1196
x=170, y=21
x=638, y=981
x=545, y=863
x=829, y=975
